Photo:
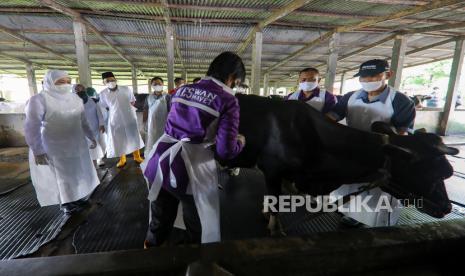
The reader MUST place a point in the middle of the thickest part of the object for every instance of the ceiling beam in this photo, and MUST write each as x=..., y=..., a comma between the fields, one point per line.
x=77, y=16
x=436, y=28
x=21, y=37
x=435, y=4
x=276, y=15
x=414, y=51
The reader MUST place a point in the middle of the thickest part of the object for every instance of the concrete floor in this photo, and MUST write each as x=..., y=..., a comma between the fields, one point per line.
x=116, y=218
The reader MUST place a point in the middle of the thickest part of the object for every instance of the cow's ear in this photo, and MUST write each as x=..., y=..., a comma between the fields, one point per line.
x=382, y=127
x=420, y=130
x=398, y=152
x=447, y=150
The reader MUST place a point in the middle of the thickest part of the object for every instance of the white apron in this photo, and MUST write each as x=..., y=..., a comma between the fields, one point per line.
x=316, y=102
x=70, y=174
x=102, y=137
x=361, y=115
x=158, y=112
x=123, y=132
x=203, y=182
x=90, y=108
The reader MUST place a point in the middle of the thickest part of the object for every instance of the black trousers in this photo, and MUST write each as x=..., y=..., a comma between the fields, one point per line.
x=163, y=214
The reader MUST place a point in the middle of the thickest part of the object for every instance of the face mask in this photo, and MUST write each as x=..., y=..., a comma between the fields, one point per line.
x=111, y=84
x=64, y=88
x=157, y=88
x=371, y=86
x=308, y=86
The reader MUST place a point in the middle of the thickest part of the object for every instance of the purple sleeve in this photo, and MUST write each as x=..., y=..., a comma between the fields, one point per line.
x=330, y=102
x=227, y=145
x=35, y=112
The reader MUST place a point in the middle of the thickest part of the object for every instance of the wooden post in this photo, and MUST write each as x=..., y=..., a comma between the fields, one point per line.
x=170, y=55
x=397, y=63
x=82, y=53
x=134, y=79
x=31, y=79
x=256, y=63
x=454, y=80
x=332, y=62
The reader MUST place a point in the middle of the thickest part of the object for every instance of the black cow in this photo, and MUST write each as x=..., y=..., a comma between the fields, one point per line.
x=292, y=141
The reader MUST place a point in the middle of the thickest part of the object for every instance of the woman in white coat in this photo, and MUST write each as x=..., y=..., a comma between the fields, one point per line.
x=56, y=129
x=155, y=112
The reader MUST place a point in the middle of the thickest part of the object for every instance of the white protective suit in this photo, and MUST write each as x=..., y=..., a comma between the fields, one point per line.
x=56, y=126
x=158, y=112
x=123, y=136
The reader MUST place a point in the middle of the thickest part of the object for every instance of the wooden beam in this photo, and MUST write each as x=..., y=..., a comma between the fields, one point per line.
x=134, y=79
x=82, y=53
x=31, y=79
x=170, y=55
x=332, y=62
x=256, y=63
x=435, y=4
x=77, y=16
x=292, y=6
x=397, y=64
x=30, y=41
x=436, y=28
x=167, y=18
x=453, y=87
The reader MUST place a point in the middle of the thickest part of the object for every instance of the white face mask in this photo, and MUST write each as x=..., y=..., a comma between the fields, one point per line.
x=157, y=88
x=111, y=84
x=64, y=88
x=308, y=86
x=371, y=86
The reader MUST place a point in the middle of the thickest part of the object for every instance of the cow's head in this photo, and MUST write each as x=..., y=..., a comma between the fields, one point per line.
x=418, y=168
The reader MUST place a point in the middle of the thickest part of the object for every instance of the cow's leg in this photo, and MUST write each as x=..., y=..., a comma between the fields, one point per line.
x=273, y=184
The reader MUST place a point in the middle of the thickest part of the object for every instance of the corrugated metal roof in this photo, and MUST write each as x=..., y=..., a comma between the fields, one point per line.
x=205, y=28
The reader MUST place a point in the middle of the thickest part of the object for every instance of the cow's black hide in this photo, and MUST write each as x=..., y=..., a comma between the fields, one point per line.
x=291, y=140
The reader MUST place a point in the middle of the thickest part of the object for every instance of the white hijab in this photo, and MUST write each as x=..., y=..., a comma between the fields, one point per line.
x=51, y=77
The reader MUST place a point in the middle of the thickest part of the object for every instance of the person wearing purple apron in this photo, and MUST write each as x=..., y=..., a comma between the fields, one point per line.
x=181, y=165
x=309, y=92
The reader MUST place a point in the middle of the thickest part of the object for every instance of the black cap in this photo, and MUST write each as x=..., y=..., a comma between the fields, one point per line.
x=107, y=75
x=372, y=67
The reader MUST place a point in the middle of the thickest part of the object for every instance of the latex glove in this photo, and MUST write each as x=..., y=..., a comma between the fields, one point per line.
x=41, y=159
x=241, y=139
x=94, y=144
x=102, y=129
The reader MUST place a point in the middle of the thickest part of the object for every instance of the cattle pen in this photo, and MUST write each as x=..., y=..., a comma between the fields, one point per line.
x=423, y=41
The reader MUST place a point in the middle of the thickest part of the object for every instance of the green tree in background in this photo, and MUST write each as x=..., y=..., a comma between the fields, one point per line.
x=434, y=71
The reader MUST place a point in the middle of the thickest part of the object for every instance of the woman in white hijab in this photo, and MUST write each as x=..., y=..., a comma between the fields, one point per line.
x=56, y=129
